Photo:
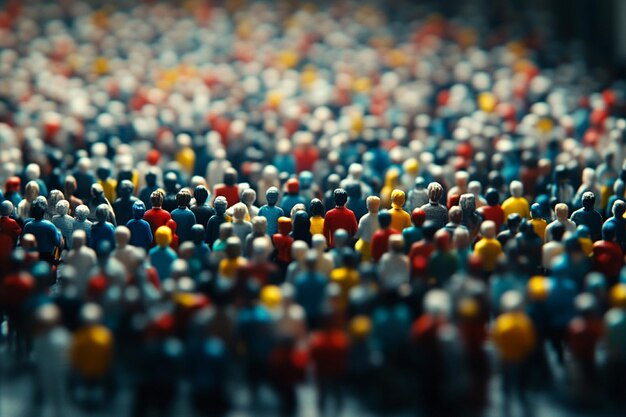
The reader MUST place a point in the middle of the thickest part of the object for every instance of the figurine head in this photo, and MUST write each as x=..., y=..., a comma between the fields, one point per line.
x=420, y=183
x=139, y=209
x=316, y=207
x=239, y=212
x=392, y=176
x=79, y=239
x=619, y=208
x=230, y=177
x=102, y=212
x=269, y=173
x=271, y=195
x=373, y=204
x=220, y=204
x=201, y=194
x=475, y=188
x=429, y=229
x=384, y=219
x=226, y=231
x=455, y=215
x=81, y=212
x=561, y=211
x=31, y=190
x=197, y=233
x=535, y=211
x=619, y=188
x=397, y=198
x=582, y=232
x=557, y=231
x=293, y=186
x=354, y=190
x=299, y=250
x=355, y=170
x=306, y=179
x=492, y=197
x=163, y=236
x=156, y=199
x=248, y=196
x=589, y=176
x=608, y=232
x=259, y=225
x=396, y=243
x=318, y=242
x=560, y=174
x=442, y=240
x=437, y=303
x=125, y=189
x=589, y=200
x=151, y=178
x=70, y=185
x=233, y=247
x=183, y=198
x=260, y=249
x=333, y=181
x=284, y=225
x=460, y=179
x=341, y=197
x=122, y=236
x=516, y=188
x=38, y=208
x=96, y=191
x=461, y=238
x=512, y=301
x=6, y=208
x=513, y=222
x=418, y=217
x=468, y=202
x=435, y=191
x=103, y=173
x=340, y=238
x=488, y=229
x=62, y=207
x=13, y=185
x=170, y=182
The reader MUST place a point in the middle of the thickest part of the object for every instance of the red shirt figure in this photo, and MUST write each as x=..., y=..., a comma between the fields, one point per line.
x=329, y=353
x=229, y=189
x=493, y=211
x=339, y=218
x=175, y=240
x=305, y=153
x=156, y=216
x=10, y=230
x=420, y=251
x=607, y=254
x=380, y=239
x=282, y=240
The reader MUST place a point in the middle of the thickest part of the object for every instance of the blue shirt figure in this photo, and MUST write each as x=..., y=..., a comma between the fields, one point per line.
x=183, y=216
x=47, y=235
x=414, y=233
x=102, y=230
x=270, y=211
x=618, y=221
x=162, y=256
x=589, y=216
x=310, y=287
x=151, y=186
x=292, y=197
x=284, y=160
x=213, y=225
x=201, y=252
x=140, y=233
x=254, y=329
x=356, y=202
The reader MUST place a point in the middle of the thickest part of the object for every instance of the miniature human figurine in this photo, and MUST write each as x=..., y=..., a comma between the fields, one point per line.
x=269, y=178
x=392, y=180
x=12, y=191
x=213, y=226
x=10, y=230
x=492, y=210
x=562, y=190
x=170, y=183
x=123, y=206
x=537, y=222
x=414, y=233
x=443, y=262
x=54, y=197
x=282, y=243
x=417, y=196
x=219, y=246
x=589, y=216
x=109, y=184
x=422, y=249
x=394, y=268
x=63, y=221
x=471, y=218
x=455, y=215
x=435, y=211
x=461, y=179
x=84, y=178
x=98, y=198
x=400, y=219
x=162, y=256
x=102, y=230
x=32, y=172
x=608, y=257
x=516, y=203
x=183, y=216
x=618, y=221
x=619, y=190
x=48, y=238
x=69, y=189
x=271, y=211
x=81, y=222
x=301, y=230
x=325, y=262
x=124, y=251
x=217, y=167
x=356, y=203
x=292, y=195
x=150, y=187
x=332, y=183
x=175, y=243
x=241, y=227
x=140, y=232
x=515, y=338
x=380, y=239
x=554, y=247
x=31, y=192
x=229, y=189
x=201, y=209
x=488, y=248
x=355, y=175
x=230, y=265
x=339, y=218
x=310, y=287
x=588, y=185
x=476, y=188
x=316, y=209
x=298, y=253
x=561, y=212
x=259, y=231
x=156, y=216
x=248, y=197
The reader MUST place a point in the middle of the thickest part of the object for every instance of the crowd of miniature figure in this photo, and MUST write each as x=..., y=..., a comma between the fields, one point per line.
x=264, y=197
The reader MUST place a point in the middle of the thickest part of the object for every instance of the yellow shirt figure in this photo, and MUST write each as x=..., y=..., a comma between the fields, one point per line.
x=539, y=226
x=91, y=351
x=488, y=248
x=346, y=278
x=317, y=225
x=229, y=267
x=516, y=203
x=109, y=185
x=392, y=179
x=514, y=336
x=400, y=219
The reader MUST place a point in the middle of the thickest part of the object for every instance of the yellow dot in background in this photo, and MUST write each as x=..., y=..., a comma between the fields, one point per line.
x=545, y=125
x=517, y=48
x=397, y=58
x=487, y=102
x=309, y=75
x=362, y=85
x=244, y=29
x=357, y=123
x=468, y=308
x=274, y=98
x=100, y=18
x=185, y=300
x=360, y=326
x=618, y=296
x=186, y=157
x=288, y=58
x=467, y=37
x=538, y=288
x=101, y=65
x=271, y=296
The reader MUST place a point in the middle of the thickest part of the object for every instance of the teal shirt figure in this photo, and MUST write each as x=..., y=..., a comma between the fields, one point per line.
x=270, y=211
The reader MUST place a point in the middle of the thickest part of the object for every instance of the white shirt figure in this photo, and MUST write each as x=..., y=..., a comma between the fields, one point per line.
x=81, y=257
x=561, y=211
x=394, y=266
